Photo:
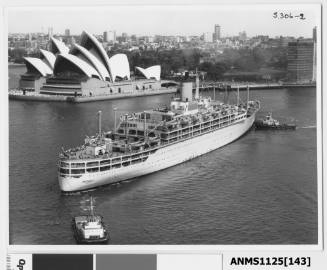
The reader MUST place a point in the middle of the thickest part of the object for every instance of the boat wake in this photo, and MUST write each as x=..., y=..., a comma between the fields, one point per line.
x=71, y=193
x=77, y=193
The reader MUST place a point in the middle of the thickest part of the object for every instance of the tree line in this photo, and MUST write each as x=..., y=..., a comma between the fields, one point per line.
x=212, y=63
x=175, y=60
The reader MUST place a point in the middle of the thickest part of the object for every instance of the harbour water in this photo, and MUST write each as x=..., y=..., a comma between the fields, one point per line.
x=260, y=189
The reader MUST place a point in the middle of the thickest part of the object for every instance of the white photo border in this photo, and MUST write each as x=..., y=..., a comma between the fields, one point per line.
x=208, y=249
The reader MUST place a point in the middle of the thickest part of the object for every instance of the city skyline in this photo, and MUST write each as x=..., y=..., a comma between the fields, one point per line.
x=182, y=20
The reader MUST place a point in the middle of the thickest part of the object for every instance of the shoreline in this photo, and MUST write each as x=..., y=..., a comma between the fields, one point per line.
x=15, y=94
x=254, y=86
x=16, y=65
x=31, y=96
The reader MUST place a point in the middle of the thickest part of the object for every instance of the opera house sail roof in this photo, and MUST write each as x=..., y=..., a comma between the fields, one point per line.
x=72, y=64
x=48, y=57
x=37, y=66
x=88, y=57
x=85, y=69
x=58, y=46
x=90, y=43
x=151, y=72
x=119, y=67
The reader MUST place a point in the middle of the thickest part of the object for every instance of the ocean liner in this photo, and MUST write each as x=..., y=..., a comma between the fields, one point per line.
x=152, y=140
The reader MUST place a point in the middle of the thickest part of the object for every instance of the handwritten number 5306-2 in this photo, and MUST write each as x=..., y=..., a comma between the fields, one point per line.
x=283, y=15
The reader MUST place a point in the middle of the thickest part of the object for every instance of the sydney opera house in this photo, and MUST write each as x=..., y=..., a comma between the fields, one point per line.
x=85, y=70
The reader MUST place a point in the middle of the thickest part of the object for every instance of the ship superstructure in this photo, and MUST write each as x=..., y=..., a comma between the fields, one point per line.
x=152, y=140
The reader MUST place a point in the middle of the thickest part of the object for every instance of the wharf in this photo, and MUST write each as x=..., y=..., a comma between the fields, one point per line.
x=299, y=85
x=252, y=86
x=32, y=96
x=258, y=86
x=241, y=86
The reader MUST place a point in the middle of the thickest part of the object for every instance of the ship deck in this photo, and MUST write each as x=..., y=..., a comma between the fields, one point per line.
x=78, y=161
x=182, y=134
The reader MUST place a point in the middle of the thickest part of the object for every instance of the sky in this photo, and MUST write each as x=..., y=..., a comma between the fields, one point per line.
x=168, y=20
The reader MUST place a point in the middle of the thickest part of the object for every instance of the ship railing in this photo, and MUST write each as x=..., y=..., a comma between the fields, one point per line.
x=131, y=156
x=221, y=118
x=193, y=131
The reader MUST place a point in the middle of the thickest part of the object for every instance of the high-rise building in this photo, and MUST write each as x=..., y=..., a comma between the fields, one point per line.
x=283, y=41
x=67, y=32
x=314, y=67
x=300, y=57
x=134, y=38
x=124, y=37
x=207, y=37
x=109, y=36
x=105, y=36
x=314, y=34
x=50, y=32
x=242, y=36
x=216, y=34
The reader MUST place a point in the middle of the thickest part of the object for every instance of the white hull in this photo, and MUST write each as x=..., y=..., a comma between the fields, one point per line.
x=163, y=158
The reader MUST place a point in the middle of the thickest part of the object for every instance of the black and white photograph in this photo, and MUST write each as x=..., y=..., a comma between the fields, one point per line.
x=164, y=125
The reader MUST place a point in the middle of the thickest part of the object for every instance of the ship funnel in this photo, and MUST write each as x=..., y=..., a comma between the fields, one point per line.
x=187, y=88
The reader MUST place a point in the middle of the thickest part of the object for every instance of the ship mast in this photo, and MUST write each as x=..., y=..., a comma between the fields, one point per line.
x=238, y=95
x=144, y=126
x=197, y=85
x=115, y=114
x=91, y=206
x=99, y=119
x=248, y=97
x=214, y=92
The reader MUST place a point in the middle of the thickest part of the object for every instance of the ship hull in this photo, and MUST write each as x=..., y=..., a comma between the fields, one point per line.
x=163, y=158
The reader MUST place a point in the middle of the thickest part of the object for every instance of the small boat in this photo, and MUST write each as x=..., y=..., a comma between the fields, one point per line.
x=270, y=123
x=90, y=229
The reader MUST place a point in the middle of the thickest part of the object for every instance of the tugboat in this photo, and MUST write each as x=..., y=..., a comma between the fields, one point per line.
x=90, y=229
x=270, y=123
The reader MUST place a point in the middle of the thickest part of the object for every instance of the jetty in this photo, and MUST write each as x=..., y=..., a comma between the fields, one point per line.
x=17, y=94
x=243, y=86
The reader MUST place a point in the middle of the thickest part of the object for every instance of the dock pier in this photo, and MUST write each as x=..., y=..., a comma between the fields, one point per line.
x=222, y=86
x=17, y=94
